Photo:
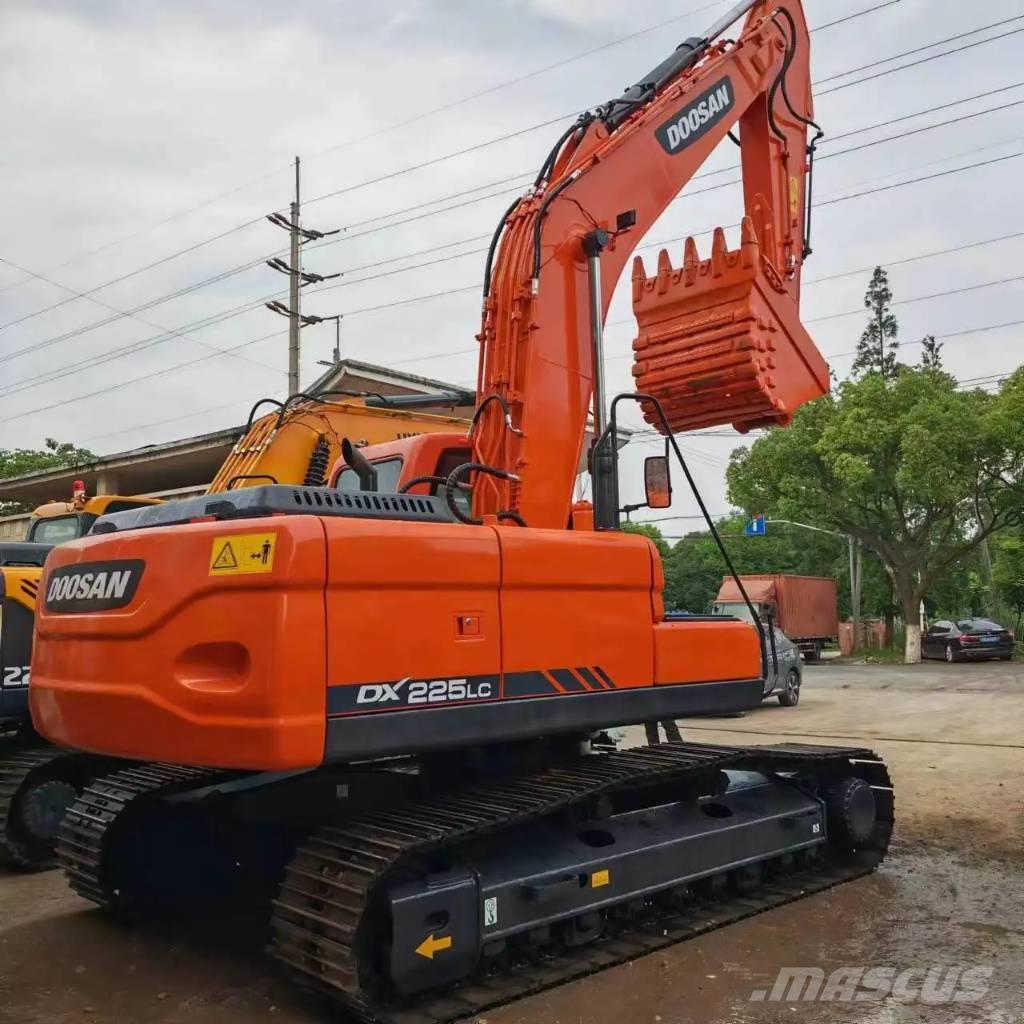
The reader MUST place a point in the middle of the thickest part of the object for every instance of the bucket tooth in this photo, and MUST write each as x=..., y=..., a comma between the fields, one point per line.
x=691, y=261
x=719, y=253
x=664, y=272
x=750, y=250
x=721, y=341
x=639, y=277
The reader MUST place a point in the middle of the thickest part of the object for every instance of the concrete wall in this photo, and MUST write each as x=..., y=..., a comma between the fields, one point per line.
x=14, y=527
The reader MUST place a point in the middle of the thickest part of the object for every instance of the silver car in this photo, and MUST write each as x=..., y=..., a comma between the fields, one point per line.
x=784, y=682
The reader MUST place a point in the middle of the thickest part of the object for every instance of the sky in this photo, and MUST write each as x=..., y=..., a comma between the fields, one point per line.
x=145, y=142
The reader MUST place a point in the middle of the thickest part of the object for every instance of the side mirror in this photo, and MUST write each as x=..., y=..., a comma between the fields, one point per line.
x=657, y=481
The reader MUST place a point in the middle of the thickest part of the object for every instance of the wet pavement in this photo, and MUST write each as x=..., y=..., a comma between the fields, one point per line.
x=951, y=896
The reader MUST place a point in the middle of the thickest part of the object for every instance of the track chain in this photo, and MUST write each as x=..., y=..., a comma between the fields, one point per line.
x=83, y=837
x=338, y=870
x=15, y=768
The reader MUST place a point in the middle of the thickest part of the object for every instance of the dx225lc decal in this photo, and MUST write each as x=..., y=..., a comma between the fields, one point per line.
x=410, y=692
x=407, y=692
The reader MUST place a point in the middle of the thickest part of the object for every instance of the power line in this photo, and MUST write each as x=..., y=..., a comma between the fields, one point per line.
x=856, y=14
x=243, y=267
x=136, y=380
x=920, y=298
x=174, y=332
x=374, y=134
x=89, y=292
x=921, y=49
x=466, y=288
x=917, y=63
x=868, y=145
x=501, y=138
x=77, y=332
x=685, y=195
x=914, y=259
x=941, y=337
x=218, y=318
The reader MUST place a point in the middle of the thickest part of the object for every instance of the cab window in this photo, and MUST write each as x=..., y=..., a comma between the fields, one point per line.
x=58, y=529
x=388, y=472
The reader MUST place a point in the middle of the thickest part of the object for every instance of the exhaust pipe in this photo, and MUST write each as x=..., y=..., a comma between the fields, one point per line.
x=361, y=464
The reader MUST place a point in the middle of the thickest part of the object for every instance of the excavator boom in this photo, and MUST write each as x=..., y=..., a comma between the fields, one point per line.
x=720, y=341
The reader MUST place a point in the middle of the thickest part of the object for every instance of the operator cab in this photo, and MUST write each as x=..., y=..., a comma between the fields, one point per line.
x=60, y=521
x=413, y=465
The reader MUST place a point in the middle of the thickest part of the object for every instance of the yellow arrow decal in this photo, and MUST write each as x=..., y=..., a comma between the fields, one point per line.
x=429, y=946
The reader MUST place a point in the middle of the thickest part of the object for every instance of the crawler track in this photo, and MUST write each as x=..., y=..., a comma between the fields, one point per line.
x=14, y=771
x=320, y=921
x=108, y=802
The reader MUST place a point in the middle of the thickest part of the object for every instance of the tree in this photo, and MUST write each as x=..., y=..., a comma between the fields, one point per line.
x=694, y=569
x=54, y=455
x=931, y=353
x=1006, y=425
x=650, y=531
x=902, y=464
x=1008, y=573
x=873, y=356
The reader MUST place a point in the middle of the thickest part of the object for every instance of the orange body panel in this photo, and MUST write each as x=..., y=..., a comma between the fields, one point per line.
x=225, y=671
x=399, y=595
x=705, y=651
x=354, y=617
x=571, y=600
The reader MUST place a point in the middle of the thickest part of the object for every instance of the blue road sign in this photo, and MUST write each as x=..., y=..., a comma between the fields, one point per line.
x=756, y=527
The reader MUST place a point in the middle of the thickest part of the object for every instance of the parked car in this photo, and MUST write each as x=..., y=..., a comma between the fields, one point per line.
x=966, y=639
x=784, y=683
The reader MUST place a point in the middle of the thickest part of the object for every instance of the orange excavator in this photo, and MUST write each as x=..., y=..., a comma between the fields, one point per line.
x=374, y=703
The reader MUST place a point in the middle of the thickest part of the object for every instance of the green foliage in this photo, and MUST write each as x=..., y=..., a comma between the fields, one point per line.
x=694, y=569
x=931, y=353
x=651, y=532
x=54, y=455
x=912, y=467
x=1008, y=573
x=876, y=350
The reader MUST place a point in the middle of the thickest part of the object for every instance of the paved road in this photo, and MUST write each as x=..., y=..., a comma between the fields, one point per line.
x=951, y=894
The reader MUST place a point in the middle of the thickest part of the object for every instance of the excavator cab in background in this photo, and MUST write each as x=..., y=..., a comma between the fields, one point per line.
x=368, y=705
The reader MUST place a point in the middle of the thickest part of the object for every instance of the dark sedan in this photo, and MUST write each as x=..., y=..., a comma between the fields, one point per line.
x=967, y=639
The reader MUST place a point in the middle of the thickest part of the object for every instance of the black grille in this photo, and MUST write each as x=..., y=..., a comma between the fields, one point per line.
x=275, y=499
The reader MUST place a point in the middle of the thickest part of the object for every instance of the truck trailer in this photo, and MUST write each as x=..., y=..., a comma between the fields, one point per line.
x=805, y=608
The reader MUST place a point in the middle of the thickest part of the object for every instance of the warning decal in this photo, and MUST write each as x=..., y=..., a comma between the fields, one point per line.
x=242, y=553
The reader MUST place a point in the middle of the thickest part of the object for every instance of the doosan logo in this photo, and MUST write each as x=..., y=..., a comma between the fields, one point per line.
x=696, y=118
x=93, y=586
x=90, y=586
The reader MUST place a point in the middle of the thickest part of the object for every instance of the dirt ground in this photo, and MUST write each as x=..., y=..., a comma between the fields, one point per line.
x=951, y=894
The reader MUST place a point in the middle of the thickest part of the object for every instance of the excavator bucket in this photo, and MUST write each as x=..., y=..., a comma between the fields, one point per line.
x=720, y=340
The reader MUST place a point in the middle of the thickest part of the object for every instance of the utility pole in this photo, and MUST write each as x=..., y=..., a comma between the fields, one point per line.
x=297, y=278
x=295, y=313
x=856, y=566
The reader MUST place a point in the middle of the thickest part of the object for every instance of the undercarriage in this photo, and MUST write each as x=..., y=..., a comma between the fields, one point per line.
x=411, y=892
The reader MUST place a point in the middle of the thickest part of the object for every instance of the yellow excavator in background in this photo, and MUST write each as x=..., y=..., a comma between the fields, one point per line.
x=297, y=443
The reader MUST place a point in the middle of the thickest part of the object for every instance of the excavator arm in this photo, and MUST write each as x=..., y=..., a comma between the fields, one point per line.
x=720, y=340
